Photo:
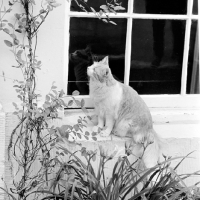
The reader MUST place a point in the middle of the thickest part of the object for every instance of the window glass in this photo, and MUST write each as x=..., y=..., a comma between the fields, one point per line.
x=157, y=54
x=91, y=38
x=96, y=5
x=160, y=6
x=193, y=62
x=195, y=7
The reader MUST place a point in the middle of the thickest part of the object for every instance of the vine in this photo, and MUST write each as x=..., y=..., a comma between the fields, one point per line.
x=33, y=140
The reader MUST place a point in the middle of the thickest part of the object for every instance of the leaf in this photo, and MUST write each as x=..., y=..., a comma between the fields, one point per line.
x=47, y=98
x=84, y=110
x=55, y=92
x=104, y=7
x=112, y=22
x=78, y=103
x=52, y=144
x=55, y=4
x=15, y=113
x=20, y=97
x=18, y=30
x=16, y=41
x=8, y=43
x=17, y=16
x=13, y=36
x=61, y=93
x=105, y=20
x=87, y=133
x=2, y=25
x=94, y=133
x=86, y=137
x=70, y=103
x=19, y=52
x=53, y=87
x=14, y=104
x=76, y=127
x=9, y=24
x=75, y=93
x=9, y=10
x=82, y=103
x=66, y=127
x=42, y=11
x=79, y=135
x=94, y=138
x=119, y=8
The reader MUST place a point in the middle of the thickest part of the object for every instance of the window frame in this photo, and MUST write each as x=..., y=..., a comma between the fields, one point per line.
x=182, y=100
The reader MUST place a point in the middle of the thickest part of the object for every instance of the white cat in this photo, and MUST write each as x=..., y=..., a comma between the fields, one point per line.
x=122, y=111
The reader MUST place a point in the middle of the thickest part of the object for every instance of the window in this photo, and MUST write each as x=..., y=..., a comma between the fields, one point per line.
x=154, y=48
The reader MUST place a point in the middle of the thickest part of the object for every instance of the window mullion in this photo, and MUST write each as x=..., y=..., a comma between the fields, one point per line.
x=128, y=43
x=186, y=48
x=134, y=15
x=198, y=29
x=66, y=47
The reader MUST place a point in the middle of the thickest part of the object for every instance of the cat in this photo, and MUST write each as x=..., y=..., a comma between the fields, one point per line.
x=122, y=111
x=78, y=63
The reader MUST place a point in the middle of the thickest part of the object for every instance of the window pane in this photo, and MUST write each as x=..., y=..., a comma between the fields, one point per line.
x=193, y=62
x=195, y=7
x=160, y=6
x=96, y=5
x=157, y=54
x=89, y=37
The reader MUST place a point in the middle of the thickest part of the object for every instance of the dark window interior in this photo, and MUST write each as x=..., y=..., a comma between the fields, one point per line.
x=178, y=7
x=195, y=7
x=157, y=54
x=92, y=38
x=193, y=62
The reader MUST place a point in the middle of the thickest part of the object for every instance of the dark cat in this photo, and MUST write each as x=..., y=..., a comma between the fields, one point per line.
x=78, y=63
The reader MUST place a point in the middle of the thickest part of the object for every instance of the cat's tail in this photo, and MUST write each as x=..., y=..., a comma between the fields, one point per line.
x=154, y=150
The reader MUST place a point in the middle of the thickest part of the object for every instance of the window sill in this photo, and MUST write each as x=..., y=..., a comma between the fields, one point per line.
x=168, y=123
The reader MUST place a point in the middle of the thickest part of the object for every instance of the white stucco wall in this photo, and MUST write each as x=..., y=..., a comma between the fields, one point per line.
x=49, y=51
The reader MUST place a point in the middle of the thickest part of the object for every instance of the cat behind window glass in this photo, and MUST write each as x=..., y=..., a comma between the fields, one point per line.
x=122, y=111
x=79, y=61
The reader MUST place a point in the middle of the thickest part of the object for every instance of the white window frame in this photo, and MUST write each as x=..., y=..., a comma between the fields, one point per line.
x=181, y=100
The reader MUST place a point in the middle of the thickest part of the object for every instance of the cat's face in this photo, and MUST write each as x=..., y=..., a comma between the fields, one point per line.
x=82, y=55
x=99, y=71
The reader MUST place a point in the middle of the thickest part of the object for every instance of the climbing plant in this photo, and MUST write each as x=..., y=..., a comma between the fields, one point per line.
x=33, y=139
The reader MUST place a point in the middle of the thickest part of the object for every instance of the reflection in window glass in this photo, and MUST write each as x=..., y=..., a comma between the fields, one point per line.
x=160, y=6
x=96, y=5
x=195, y=7
x=157, y=54
x=91, y=37
x=193, y=62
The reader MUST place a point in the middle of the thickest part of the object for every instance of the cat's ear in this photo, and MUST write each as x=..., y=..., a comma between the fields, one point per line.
x=105, y=61
x=88, y=49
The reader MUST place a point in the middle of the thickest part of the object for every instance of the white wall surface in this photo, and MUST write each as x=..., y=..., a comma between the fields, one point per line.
x=49, y=51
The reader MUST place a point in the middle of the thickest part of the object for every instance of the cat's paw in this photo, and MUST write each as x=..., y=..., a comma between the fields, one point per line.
x=105, y=133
